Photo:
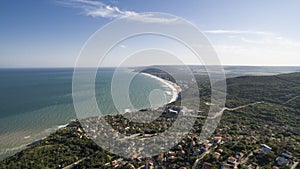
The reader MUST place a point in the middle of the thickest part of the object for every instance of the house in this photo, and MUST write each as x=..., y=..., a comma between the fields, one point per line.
x=253, y=166
x=175, y=108
x=265, y=149
x=220, y=150
x=129, y=165
x=216, y=155
x=173, y=166
x=182, y=153
x=239, y=155
x=217, y=139
x=227, y=166
x=231, y=160
x=286, y=155
x=205, y=147
x=149, y=163
x=171, y=158
x=172, y=153
x=206, y=165
x=282, y=161
x=171, y=111
x=193, y=143
x=160, y=157
x=197, y=151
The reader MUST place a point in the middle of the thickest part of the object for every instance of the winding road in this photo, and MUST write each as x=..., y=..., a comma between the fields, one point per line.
x=196, y=164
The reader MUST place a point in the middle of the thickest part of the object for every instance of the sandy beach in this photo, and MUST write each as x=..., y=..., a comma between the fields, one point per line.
x=175, y=88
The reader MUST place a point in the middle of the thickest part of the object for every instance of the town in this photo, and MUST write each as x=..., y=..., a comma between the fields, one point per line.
x=230, y=147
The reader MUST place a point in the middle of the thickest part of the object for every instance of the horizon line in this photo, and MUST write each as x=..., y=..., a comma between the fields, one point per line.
x=69, y=67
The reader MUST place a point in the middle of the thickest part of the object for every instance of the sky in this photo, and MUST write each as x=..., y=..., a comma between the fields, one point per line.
x=51, y=33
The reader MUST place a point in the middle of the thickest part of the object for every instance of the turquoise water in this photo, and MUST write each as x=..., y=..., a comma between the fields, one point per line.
x=35, y=102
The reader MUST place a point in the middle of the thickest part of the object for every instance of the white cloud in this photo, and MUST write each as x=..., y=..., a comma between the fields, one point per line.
x=245, y=47
x=99, y=9
x=272, y=41
x=254, y=37
x=221, y=31
x=123, y=46
x=257, y=55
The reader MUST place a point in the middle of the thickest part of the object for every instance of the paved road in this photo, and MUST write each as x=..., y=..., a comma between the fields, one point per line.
x=294, y=165
x=75, y=163
x=232, y=109
x=196, y=163
x=217, y=114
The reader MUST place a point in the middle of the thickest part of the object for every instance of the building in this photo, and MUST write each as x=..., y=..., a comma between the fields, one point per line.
x=227, y=166
x=265, y=149
x=231, y=160
x=216, y=155
x=206, y=165
x=217, y=139
x=239, y=155
x=284, y=159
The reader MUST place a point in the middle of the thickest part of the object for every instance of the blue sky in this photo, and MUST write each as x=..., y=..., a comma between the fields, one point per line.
x=48, y=33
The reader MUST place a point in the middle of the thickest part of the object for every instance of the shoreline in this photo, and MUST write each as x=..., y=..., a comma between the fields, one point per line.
x=173, y=86
x=26, y=145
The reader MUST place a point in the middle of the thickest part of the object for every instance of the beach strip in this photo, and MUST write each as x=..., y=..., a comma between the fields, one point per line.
x=175, y=88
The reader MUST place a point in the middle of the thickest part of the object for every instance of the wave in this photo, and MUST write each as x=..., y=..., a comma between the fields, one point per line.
x=10, y=151
x=171, y=85
x=5, y=152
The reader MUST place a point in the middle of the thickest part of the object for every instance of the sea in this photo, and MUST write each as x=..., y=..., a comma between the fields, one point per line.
x=35, y=102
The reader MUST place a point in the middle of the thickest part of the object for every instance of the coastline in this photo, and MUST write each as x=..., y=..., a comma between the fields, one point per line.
x=32, y=140
x=175, y=88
